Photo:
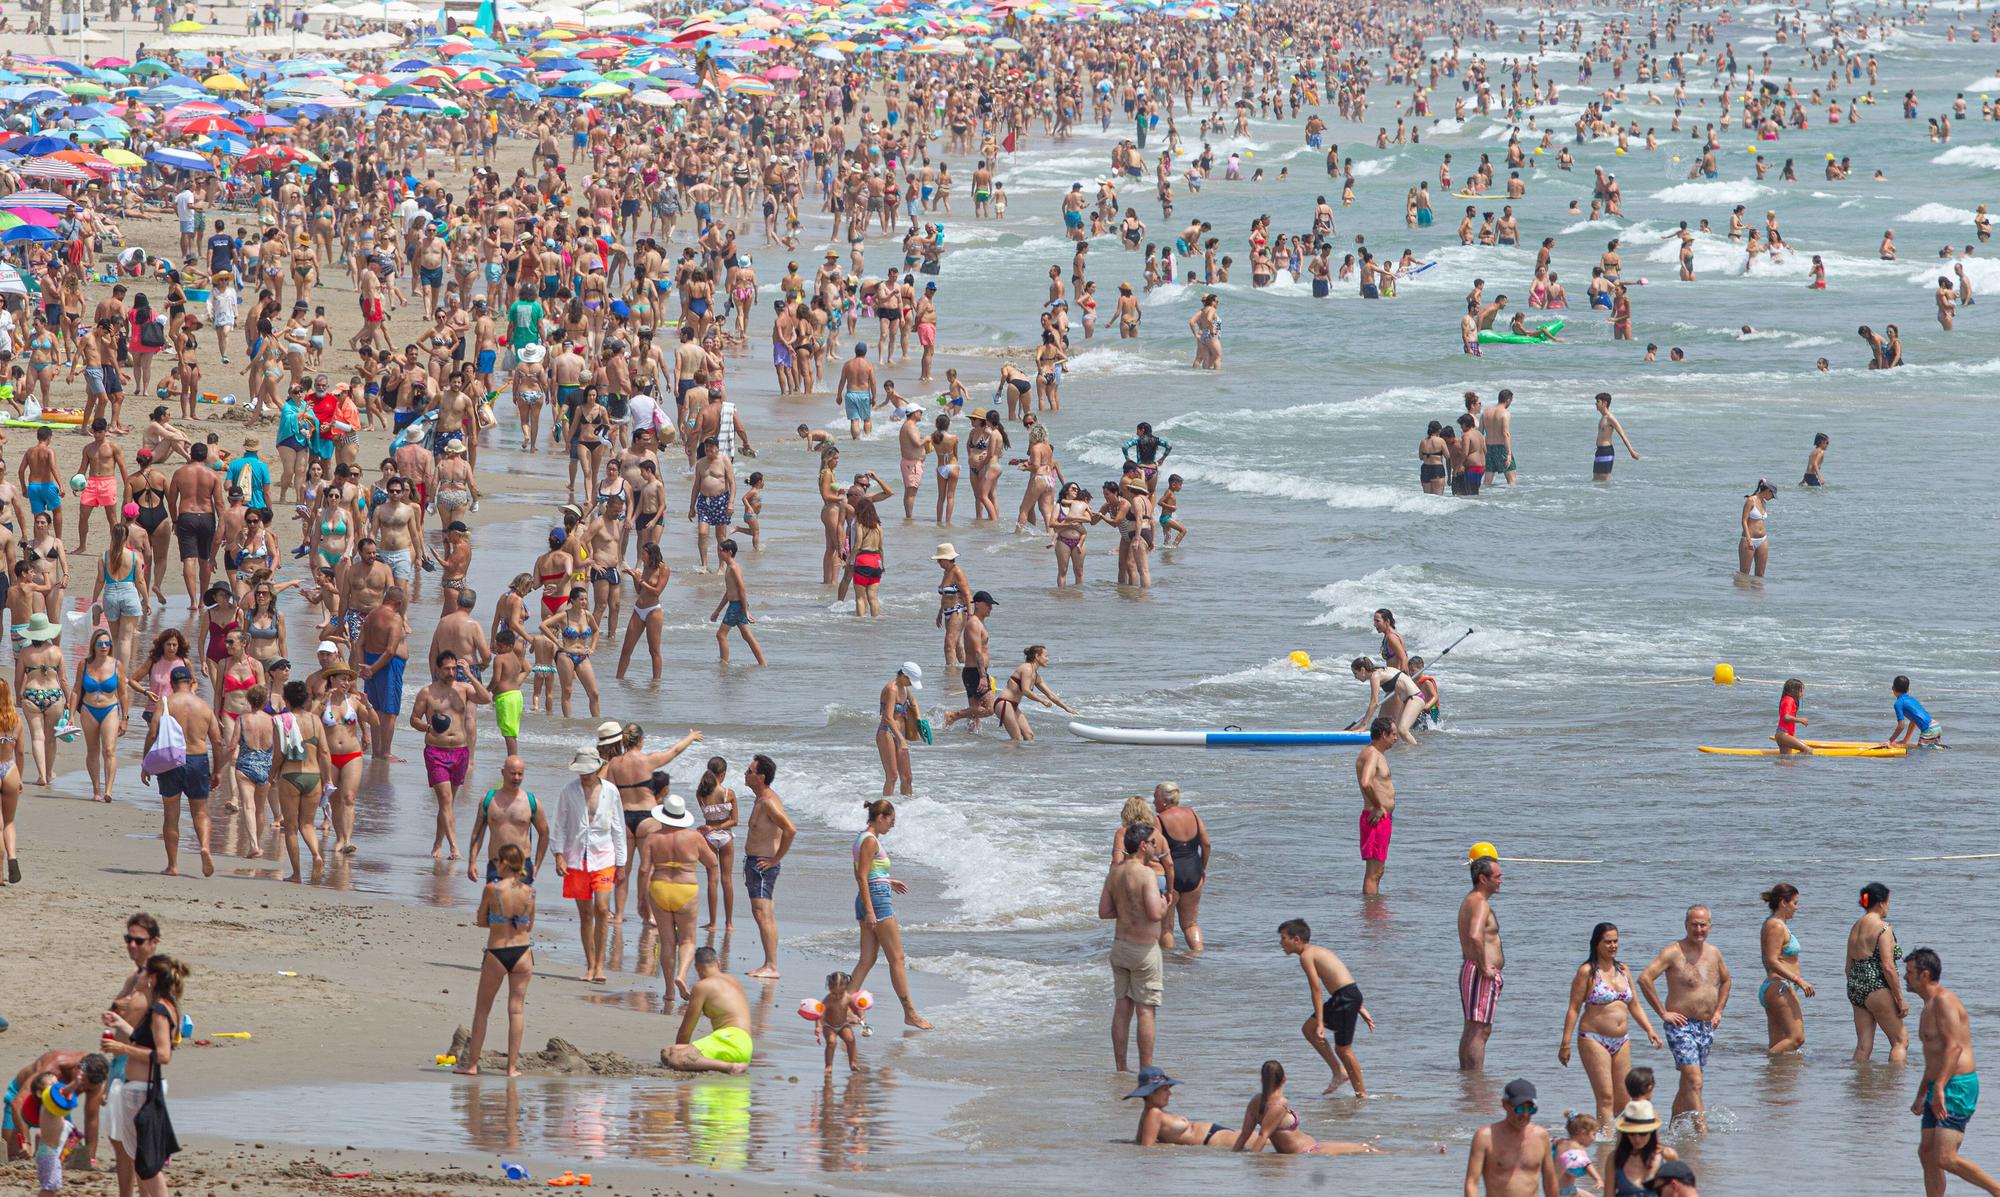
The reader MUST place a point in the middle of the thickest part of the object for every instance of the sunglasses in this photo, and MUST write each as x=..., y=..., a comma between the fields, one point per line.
x=136, y=940
x=1526, y=1108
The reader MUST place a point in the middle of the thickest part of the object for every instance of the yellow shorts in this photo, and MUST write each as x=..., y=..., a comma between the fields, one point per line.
x=671, y=896
x=730, y=1045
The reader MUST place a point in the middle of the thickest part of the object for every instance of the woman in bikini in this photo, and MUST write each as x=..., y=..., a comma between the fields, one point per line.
x=1269, y=1120
x=954, y=596
x=1074, y=515
x=100, y=699
x=38, y=679
x=577, y=629
x=832, y=516
x=898, y=711
x=240, y=673
x=263, y=625
x=649, y=617
x=1044, y=480
x=343, y=714
x=1602, y=1005
x=945, y=445
x=1161, y=1127
x=668, y=859
x=719, y=818
x=304, y=767
x=1784, y=982
x=531, y=387
x=507, y=911
x=1431, y=451
x=553, y=570
x=120, y=593
x=10, y=783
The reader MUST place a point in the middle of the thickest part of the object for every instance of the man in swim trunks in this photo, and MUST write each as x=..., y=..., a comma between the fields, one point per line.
x=385, y=649
x=1480, y=959
x=442, y=711
x=913, y=446
x=193, y=495
x=727, y=1047
x=1607, y=427
x=857, y=392
x=1949, y=1092
x=1496, y=423
x=766, y=838
x=1378, y=803
x=1697, y=990
x=1336, y=1004
x=1132, y=896
x=105, y=473
x=514, y=817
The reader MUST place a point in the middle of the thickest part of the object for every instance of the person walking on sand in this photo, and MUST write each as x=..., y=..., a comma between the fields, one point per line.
x=1132, y=898
x=1949, y=1091
x=1336, y=1004
x=588, y=837
x=507, y=911
x=1378, y=803
x=182, y=768
x=1697, y=990
x=1481, y=958
x=719, y=997
x=766, y=839
x=1511, y=1157
x=511, y=815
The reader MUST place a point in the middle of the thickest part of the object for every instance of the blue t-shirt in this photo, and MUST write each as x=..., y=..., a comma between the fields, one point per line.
x=1909, y=710
x=259, y=477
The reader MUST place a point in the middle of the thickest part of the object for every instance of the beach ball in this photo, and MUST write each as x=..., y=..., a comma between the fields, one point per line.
x=1725, y=674
x=76, y=483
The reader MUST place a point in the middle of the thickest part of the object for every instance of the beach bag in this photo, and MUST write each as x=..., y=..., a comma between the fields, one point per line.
x=153, y=334
x=291, y=745
x=169, y=750
x=156, y=1142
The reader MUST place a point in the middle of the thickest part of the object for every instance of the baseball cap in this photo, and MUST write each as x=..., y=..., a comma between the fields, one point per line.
x=328, y=646
x=982, y=596
x=1518, y=1090
x=1670, y=1170
x=180, y=674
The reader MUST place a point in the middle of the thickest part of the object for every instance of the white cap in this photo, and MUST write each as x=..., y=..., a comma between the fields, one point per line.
x=915, y=673
x=328, y=646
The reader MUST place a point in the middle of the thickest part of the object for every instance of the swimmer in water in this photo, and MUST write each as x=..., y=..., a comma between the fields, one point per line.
x=1789, y=719
x=1816, y=460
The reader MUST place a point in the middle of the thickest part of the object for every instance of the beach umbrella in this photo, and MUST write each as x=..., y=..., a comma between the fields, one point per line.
x=782, y=72
x=265, y=120
x=33, y=216
x=54, y=168
x=606, y=91
x=148, y=66
x=34, y=198
x=103, y=63
x=34, y=147
x=751, y=85
x=224, y=81
x=186, y=27
x=30, y=93
x=27, y=232
x=123, y=158
x=180, y=160
x=84, y=87
x=210, y=123
x=85, y=159
x=275, y=157
x=654, y=98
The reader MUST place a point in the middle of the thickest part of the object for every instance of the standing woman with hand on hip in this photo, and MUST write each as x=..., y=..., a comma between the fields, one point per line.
x=1786, y=1022
x=875, y=908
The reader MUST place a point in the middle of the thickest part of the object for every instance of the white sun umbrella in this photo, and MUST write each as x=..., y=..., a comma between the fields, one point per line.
x=654, y=97
x=400, y=11
x=326, y=10
x=615, y=20
x=11, y=282
x=564, y=14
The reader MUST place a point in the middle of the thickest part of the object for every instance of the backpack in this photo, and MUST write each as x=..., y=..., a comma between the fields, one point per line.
x=153, y=334
x=169, y=750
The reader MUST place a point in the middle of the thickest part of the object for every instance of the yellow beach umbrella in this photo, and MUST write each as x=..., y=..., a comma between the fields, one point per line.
x=224, y=81
x=186, y=27
x=122, y=157
x=602, y=91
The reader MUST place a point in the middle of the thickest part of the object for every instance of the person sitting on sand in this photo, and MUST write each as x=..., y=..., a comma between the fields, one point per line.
x=727, y=1046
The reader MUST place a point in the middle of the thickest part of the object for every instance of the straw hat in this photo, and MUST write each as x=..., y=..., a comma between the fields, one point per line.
x=39, y=629
x=1638, y=1117
x=945, y=553
x=532, y=354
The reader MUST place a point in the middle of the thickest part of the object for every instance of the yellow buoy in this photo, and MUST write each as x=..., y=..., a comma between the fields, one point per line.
x=1619, y=150
x=1300, y=658
x=1725, y=675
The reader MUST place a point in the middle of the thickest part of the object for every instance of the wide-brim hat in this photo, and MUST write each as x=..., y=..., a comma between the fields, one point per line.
x=39, y=629
x=672, y=811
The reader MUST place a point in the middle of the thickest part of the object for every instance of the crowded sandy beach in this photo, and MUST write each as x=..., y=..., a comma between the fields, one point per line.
x=528, y=536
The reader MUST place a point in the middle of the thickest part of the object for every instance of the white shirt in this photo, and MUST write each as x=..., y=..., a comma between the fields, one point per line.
x=645, y=413
x=410, y=212
x=584, y=841
x=184, y=204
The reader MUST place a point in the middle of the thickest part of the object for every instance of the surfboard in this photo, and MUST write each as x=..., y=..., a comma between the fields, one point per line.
x=1226, y=737
x=1843, y=750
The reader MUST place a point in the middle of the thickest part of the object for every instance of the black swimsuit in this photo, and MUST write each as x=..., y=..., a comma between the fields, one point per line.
x=1188, y=872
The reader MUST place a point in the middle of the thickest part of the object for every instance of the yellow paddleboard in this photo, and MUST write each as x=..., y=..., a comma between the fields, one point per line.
x=1841, y=750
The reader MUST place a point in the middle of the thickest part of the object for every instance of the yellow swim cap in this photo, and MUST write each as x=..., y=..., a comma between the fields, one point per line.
x=1481, y=849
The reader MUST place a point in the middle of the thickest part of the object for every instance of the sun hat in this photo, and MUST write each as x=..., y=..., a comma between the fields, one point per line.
x=945, y=553
x=673, y=811
x=610, y=732
x=1638, y=1117
x=39, y=629
x=531, y=354
x=1152, y=1079
x=586, y=760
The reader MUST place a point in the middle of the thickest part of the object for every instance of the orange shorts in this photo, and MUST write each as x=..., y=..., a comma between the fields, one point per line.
x=581, y=885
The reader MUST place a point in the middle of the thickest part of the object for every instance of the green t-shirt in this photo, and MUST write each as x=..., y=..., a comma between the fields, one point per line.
x=525, y=319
